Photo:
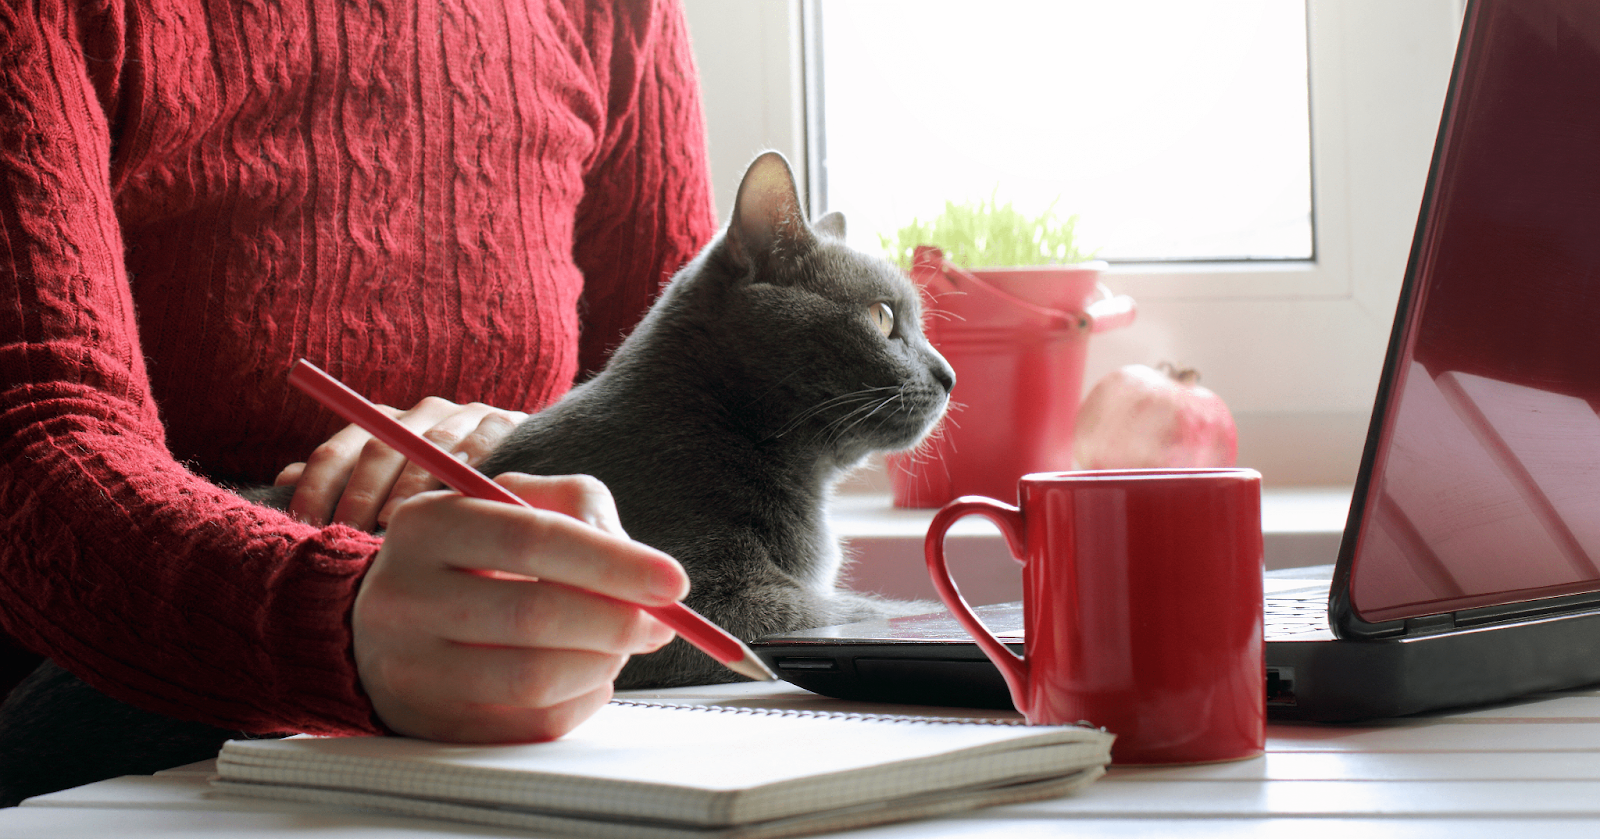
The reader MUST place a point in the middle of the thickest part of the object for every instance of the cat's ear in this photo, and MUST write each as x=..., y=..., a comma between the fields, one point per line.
x=767, y=212
x=831, y=224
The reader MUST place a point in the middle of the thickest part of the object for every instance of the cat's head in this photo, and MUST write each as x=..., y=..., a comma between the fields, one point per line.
x=809, y=341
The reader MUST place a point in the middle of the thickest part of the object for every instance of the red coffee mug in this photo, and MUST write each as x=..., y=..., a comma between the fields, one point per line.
x=1142, y=605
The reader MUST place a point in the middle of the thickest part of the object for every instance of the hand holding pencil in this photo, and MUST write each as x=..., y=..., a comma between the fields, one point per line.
x=488, y=621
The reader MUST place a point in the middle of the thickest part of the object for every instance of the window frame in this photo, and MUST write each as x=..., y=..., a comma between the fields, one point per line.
x=1294, y=347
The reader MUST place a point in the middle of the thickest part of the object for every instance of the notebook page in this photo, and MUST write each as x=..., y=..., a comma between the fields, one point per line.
x=686, y=764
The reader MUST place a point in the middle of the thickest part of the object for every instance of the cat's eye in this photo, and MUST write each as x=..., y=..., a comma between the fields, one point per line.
x=882, y=317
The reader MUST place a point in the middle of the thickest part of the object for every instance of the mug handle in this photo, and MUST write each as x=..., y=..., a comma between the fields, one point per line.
x=1013, y=668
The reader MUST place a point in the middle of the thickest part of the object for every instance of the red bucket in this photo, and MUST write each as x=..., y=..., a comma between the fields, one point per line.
x=1017, y=339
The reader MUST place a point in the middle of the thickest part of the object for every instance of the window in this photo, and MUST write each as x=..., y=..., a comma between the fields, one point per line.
x=1293, y=346
x=1174, y=130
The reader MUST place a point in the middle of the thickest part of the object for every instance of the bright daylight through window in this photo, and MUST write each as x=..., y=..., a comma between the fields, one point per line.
x=1174, y=130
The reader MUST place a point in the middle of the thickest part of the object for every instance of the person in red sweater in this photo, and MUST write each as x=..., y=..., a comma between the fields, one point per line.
x=463, y=200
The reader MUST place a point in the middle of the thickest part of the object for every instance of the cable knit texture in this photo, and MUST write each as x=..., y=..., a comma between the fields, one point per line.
x=421, y=196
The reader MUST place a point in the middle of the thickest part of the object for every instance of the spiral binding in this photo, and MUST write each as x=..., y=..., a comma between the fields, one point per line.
x=804, y=713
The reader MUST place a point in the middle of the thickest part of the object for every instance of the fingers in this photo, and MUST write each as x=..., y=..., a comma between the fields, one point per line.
x=505, y=676
x=526, y=651
x=442, y=691
x=574, y=538
x=445, y=718
x=356, y=480
x=290, y=475
x=470, y=433
x=581, y=497
x=470, y=609
x=323, y=478
x=377, y=468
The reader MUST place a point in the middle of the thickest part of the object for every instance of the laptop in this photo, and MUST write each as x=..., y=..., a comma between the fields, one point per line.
x=1469, y=569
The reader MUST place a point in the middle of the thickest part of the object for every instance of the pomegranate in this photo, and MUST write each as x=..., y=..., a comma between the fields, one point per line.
x=1139, y=417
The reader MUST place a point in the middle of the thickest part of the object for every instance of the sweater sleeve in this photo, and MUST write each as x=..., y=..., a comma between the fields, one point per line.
x=647, y=206
x=152, y=584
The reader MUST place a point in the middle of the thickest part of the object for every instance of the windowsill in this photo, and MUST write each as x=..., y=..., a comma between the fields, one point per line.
x=1300, y=527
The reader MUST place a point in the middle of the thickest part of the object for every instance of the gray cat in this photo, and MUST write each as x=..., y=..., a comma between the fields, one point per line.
x=774, y=362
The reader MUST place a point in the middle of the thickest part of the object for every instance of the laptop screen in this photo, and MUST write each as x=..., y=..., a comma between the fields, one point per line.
x=1484, y=461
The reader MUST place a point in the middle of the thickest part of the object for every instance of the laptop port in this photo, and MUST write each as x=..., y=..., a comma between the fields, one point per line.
x=1280, y=686
x=799, y=663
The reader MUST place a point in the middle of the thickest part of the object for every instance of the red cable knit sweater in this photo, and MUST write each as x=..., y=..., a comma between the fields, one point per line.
x=421, y=196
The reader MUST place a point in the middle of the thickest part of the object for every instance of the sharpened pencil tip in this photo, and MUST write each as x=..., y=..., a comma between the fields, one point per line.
x=751, y=667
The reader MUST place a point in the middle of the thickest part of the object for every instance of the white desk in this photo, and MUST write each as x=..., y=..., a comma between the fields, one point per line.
x=1525, y=769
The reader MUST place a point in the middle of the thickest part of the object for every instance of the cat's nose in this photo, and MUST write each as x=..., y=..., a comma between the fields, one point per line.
x=942, y=373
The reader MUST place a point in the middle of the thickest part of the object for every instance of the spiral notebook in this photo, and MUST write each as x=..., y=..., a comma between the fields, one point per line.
x=650, y=771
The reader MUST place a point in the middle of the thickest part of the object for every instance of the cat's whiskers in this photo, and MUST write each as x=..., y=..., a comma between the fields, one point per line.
x=932, y=310
x=839, y=428
x=825, y=405
x=923, y=452
x=866, y=411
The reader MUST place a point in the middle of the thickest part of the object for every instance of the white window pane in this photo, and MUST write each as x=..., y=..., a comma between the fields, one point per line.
x=1174, y=129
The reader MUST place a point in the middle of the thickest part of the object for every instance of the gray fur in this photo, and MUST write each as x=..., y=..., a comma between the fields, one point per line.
x=720, y=427
x=753, y=385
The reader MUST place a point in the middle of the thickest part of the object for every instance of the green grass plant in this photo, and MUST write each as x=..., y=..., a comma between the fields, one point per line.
x=988, y=234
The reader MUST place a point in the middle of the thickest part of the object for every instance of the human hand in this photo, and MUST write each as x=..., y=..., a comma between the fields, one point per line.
x=480, y=621
x=357, y=479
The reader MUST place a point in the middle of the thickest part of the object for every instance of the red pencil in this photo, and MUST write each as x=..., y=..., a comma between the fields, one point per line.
x=712, y=639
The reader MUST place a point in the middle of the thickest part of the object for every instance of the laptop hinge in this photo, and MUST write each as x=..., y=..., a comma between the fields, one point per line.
x=1430, y=624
